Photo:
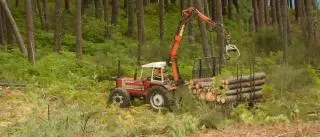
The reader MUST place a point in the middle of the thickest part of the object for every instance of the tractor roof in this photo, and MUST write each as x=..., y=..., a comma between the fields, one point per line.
x=155, y=65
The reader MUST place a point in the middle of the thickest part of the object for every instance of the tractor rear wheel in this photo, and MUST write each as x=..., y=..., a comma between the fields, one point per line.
x=159, y=98
x=119, y=97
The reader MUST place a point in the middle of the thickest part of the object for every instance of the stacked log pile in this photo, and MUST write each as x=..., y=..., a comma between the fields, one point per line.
x=229, y=90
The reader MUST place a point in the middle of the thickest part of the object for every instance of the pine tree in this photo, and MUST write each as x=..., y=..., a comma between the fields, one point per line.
x=97, y=7
x=30, y=30
x=131, y=14
x=161, y=19
x=220, y=35
x=191, y=38
x=12, y=24
x=114, y=16
x=78, y=30
x=58, y=26
x=202, y=26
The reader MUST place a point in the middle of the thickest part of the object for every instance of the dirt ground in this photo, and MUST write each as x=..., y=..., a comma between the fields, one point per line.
x=298, y=129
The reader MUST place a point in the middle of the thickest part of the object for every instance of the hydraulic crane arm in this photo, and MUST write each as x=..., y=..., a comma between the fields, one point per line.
x=187, y=14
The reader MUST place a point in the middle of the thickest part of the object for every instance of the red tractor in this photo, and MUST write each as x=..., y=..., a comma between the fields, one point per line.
x=158, y=89
x=155, y=89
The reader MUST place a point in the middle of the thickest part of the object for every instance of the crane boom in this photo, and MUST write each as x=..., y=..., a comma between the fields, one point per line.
x=187, y=14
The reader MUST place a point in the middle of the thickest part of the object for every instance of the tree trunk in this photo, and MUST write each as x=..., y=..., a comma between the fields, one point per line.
x=261, y=13
x=45, y=15
x=284, y=11
x=4, y=23
x=248, y=78
x=206, y=7
x=252, y=24
x=224, y=7
x=181, y=5
x=242, y=97
x=17, y=3
x=220, y=35
x=84, y=5
x=273, y=11
x=145, y=2
x=14, y=26
x=141, y=35
x=256, y=14
x=97, y=5
x=173, y=2
x=125, y=5
x=279, y=18
x=131, y=14
x=161, y=19
x=140, y=21
x=40, y=8
x=243, y=90
x=266, y=12
x=114, y=18
x=1, y=28
x=213, y=10
x=236, y=4
x=67, y=5
x=297, y=9
x=191, y=38
x=230, y=3
x=10, y=37
x=244, y=84
x=211, y=38
x=166, y=3
x=78, y=30
x=58, y=26
x=204, y=37
x=106, y=20
x=290, y=4
x=30, y=29
x=311, y=30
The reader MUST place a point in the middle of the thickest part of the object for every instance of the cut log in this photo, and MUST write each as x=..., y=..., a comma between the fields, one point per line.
x=194, y=81
x=194, y=91
x=222, y=99
x=232, y=80
x=244, y=85
x=243, y=90
x=204, y=84
x=243, y=97
x=198, y=91
x=202, y=95
x=191, y=86
x=218, y=99
x=211, y=97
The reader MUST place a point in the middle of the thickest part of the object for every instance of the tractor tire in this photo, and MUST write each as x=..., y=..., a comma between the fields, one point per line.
x=119, y=97
x=159, y=98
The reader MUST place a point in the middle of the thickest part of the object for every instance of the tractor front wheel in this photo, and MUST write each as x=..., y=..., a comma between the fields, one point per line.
x=120, y=98
x=159, y=98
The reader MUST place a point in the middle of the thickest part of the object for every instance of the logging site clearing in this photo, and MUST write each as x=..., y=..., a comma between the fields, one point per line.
x=159, y=68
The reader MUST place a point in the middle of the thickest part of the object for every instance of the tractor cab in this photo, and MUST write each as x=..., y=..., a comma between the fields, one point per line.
x=157, y=71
